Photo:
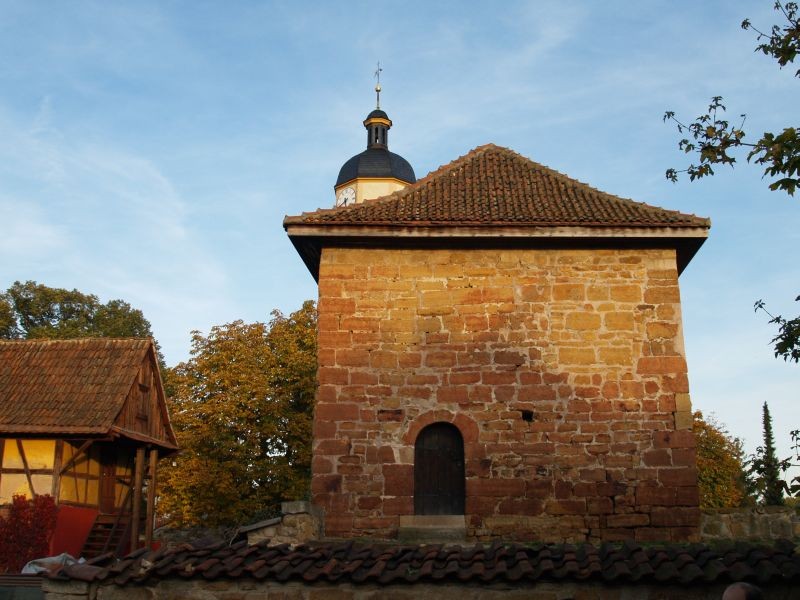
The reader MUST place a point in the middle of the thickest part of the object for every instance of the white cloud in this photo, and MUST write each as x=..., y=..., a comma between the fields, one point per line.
x=25, y=233
x=111, y=223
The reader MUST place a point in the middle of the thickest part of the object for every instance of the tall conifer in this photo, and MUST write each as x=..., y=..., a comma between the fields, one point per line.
x=773, y=484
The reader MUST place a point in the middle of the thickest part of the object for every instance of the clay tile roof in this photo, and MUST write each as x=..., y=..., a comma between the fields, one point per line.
x=66, y=386
x=340, y=562
x=494, y=186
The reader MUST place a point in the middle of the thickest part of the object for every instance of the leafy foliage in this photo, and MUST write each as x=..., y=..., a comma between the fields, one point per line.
x=720, y=465
x=25, y=533
x=765, y=468
x=242, y=408
x=781, y=43
x=793, y=487
x=787, y=342
x=31, y=310
x=713, y=139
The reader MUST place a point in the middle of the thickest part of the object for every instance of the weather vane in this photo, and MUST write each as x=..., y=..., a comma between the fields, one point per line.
x=378, y=85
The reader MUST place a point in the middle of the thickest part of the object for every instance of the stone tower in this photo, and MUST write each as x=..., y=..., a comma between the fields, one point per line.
x=502, y=344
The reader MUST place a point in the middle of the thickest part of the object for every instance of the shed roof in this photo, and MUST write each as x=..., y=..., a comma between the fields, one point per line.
x=70, y=387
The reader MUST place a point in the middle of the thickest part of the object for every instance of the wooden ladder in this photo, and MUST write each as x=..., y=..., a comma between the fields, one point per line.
x=106, y=535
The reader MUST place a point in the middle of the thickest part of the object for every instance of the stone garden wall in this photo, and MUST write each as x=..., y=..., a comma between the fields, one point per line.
x=753, y=524
x=253, y=590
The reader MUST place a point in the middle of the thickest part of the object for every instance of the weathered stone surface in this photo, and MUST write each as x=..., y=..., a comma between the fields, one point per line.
x=750, y=523
x=297, y=506
x=301, y=523
x=135, y=592
x=563, y=370
x=234, y=590
x=56, y=586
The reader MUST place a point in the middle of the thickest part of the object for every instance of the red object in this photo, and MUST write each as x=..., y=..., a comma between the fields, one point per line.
x=72, y=528
x=24, y=534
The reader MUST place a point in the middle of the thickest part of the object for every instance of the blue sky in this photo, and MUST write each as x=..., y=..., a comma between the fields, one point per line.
x=149, y=151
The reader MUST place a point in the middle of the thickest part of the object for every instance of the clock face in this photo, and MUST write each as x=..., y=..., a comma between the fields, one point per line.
x=346, y=197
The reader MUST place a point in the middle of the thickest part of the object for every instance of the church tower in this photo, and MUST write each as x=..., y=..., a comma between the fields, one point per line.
x=500, y=356
x=376, y=171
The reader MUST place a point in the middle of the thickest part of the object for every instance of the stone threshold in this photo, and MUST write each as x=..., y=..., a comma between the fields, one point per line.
x=432, y=529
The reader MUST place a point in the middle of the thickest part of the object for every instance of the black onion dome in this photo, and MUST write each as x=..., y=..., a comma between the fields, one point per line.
x=376, y=162
x=377, y=114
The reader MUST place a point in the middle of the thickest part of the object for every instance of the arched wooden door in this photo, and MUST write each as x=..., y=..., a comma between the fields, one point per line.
x=439, y=471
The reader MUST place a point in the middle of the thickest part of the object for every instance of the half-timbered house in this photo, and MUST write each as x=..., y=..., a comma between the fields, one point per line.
x=86, y=422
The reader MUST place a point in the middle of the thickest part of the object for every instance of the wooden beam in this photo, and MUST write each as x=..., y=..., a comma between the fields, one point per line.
x=151, y=499
x=27, y=468
x=59, y=456
x=84, y=447
x=137, y=497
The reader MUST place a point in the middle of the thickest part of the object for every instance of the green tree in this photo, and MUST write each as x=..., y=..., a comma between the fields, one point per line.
x=787, y=340
x=242, y=410
x=721, y=475
x=31, y=310
x=765, y=467
x=713, y=140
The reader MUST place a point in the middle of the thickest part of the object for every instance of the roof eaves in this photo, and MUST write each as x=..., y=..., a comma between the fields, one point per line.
x=494, y=230
x=52, y=429
x=140, y=437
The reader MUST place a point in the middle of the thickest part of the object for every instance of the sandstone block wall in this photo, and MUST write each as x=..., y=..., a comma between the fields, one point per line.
x=564, y=370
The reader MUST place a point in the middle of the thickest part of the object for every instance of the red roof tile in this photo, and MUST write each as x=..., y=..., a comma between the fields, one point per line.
x=348, y=562
x=66, y=386
x=494, y=186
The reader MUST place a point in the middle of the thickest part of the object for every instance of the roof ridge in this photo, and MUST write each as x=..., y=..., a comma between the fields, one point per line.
x=477, y=150
x=86, y=339
x=493, y=185
x=401, y=192
x=410, y=188
x=574, y=181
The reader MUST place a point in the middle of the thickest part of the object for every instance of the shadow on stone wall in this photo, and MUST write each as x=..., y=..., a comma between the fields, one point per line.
x=749, y=523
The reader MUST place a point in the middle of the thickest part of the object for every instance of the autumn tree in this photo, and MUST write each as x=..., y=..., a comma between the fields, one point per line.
x=720, y=465
x=241, y=408
x=714, y=140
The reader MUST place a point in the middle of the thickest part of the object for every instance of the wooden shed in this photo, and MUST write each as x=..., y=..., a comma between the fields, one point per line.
x=85, y=421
